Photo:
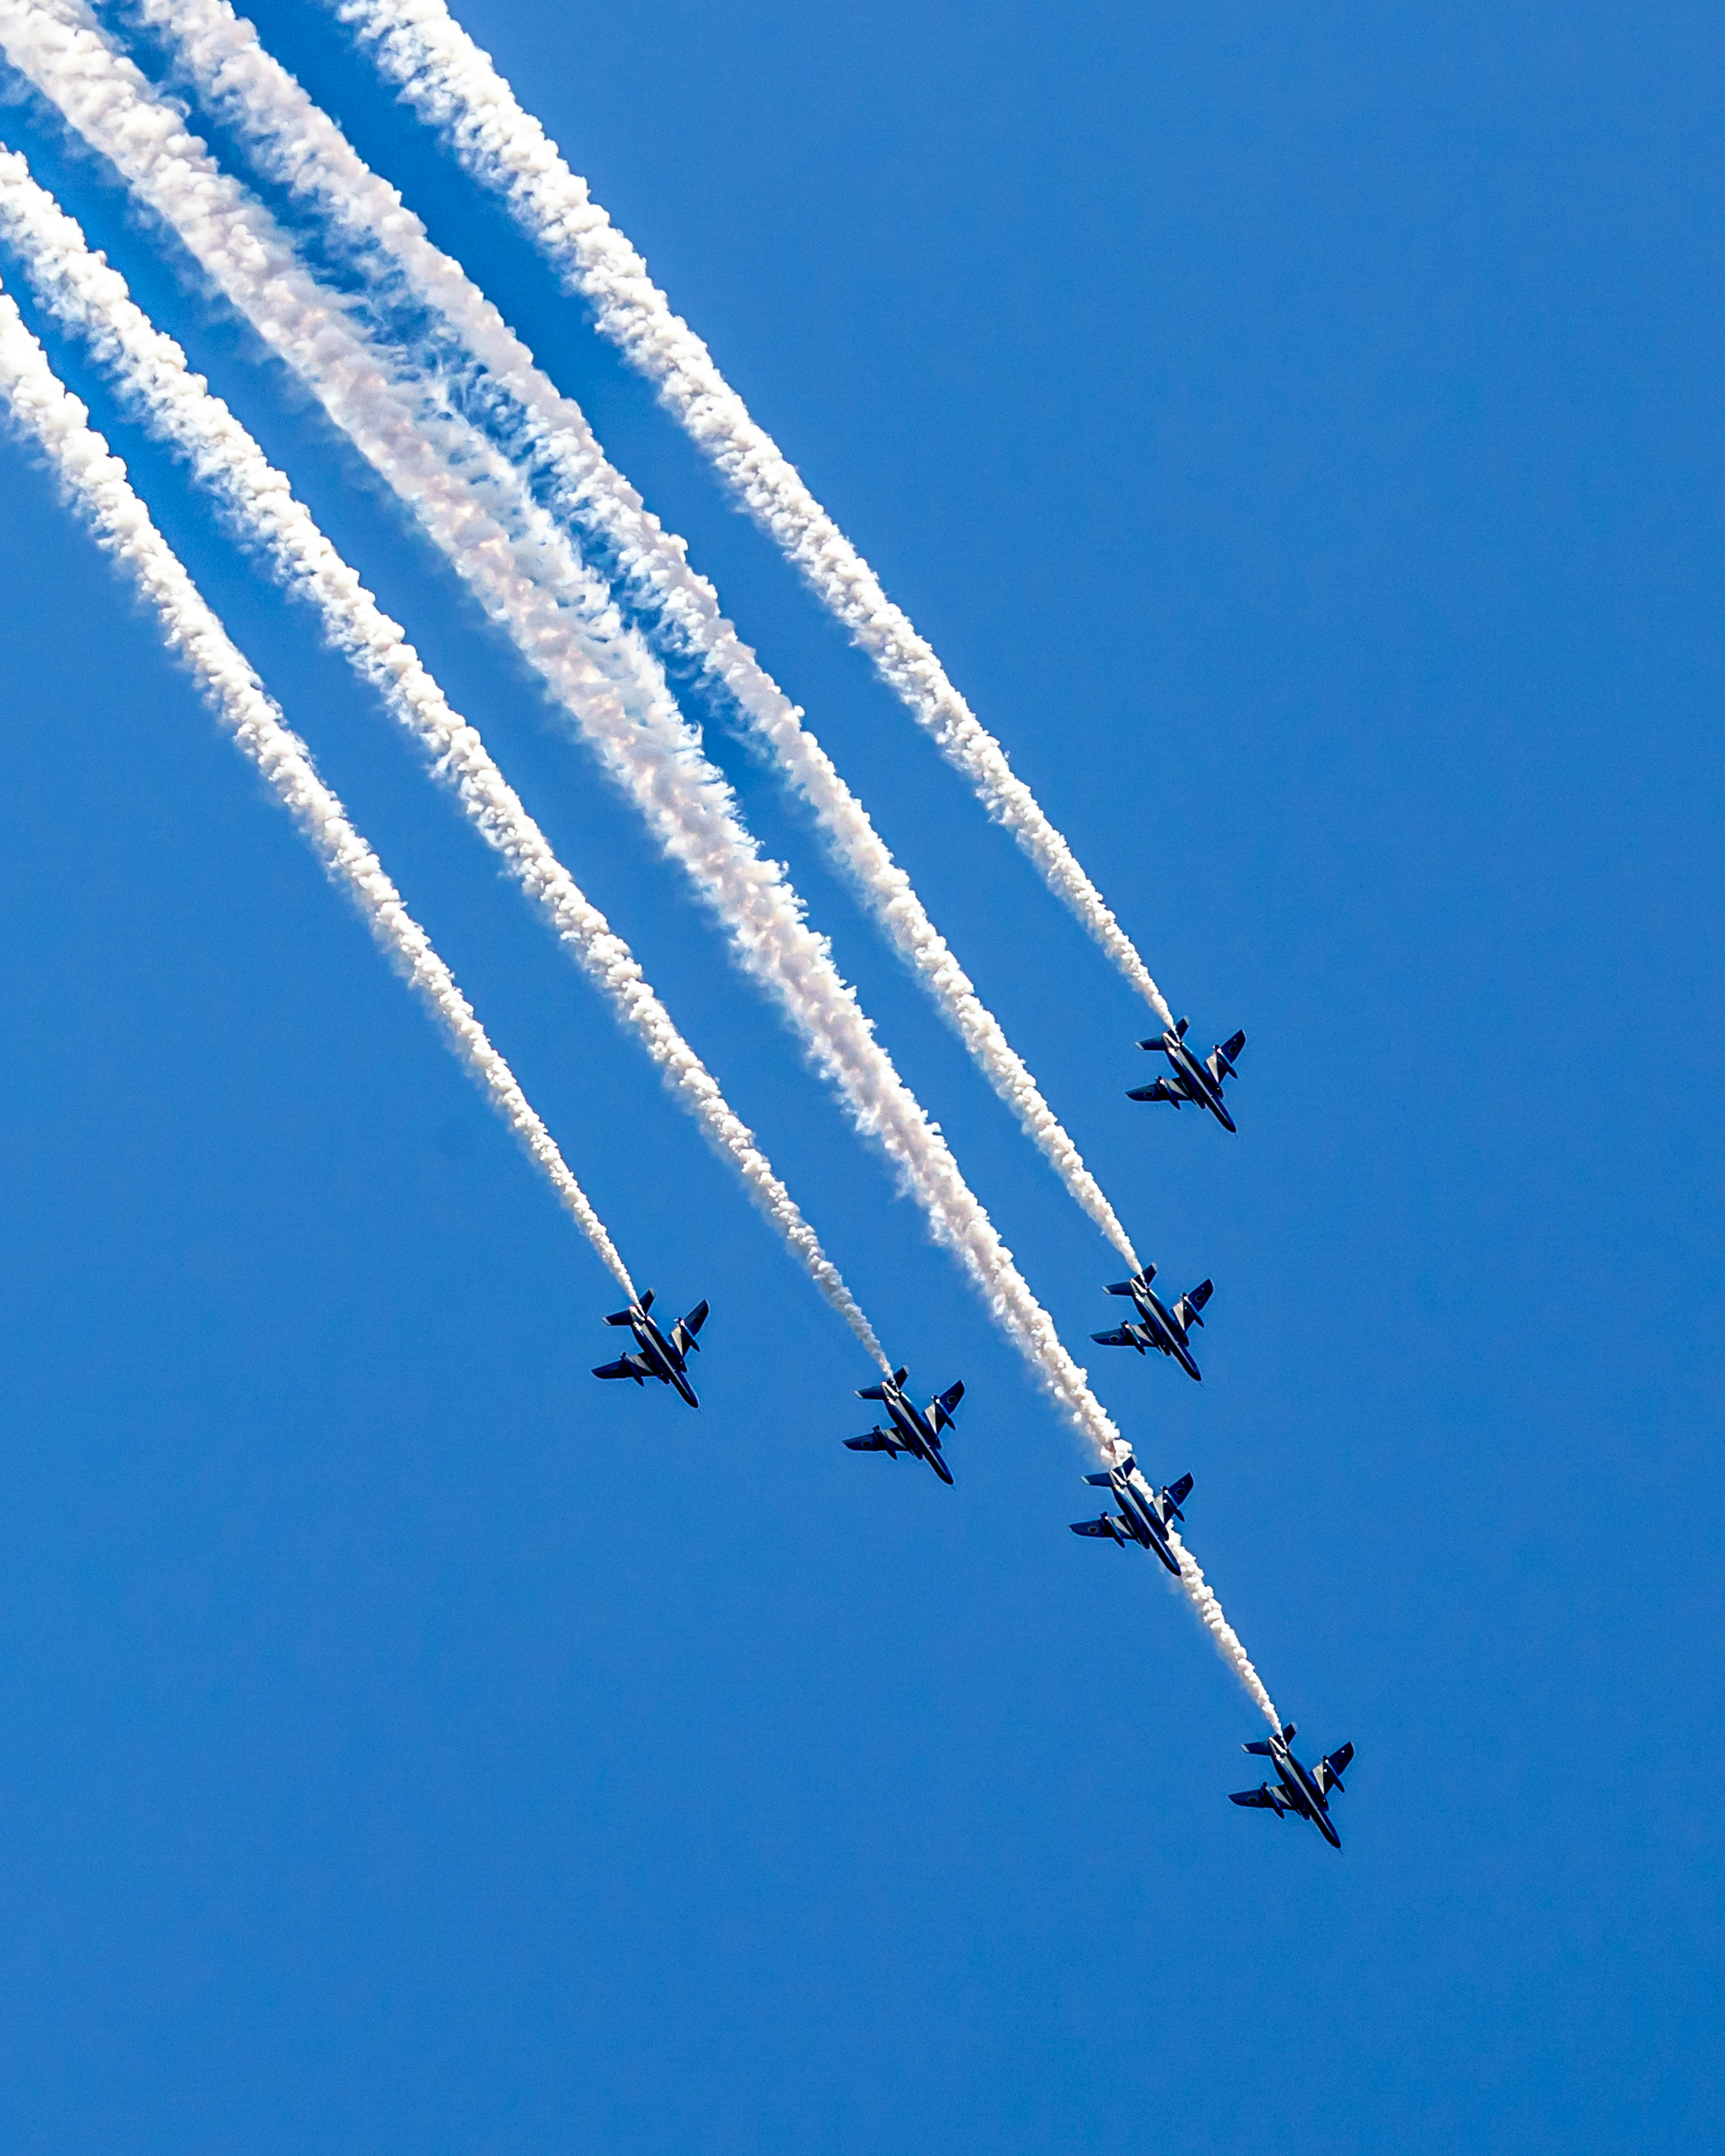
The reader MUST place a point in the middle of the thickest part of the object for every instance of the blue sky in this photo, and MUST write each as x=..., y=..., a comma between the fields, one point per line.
x=1297, y=431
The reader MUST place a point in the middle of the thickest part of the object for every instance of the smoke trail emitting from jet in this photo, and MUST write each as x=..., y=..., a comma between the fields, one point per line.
x=152, y=374
x=580, y=647
x=419, y=47
x=301, y=148
x=95, y=480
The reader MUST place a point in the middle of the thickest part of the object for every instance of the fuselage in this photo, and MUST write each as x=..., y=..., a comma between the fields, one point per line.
x=914, y=1430
x=1196, y=1077
x=663, y=1358
x=1143, y=1521
x=1304, y=1796
x=1158, y=1322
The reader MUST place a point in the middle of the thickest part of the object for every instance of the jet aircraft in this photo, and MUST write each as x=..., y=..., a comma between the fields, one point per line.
x=916, y=1430
x=656, y=1356
x=1157, y=1326
x=1144, y=1513
x=1301, y=1789
x=1187, y=1079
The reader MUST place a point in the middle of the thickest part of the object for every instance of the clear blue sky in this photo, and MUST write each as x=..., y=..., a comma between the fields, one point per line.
x=1298, y=429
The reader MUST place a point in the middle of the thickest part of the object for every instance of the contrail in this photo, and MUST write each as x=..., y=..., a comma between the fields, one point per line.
x=564, y=624
x=300, y=147
x=45, y=412
x=151, y=370
x=440, y=71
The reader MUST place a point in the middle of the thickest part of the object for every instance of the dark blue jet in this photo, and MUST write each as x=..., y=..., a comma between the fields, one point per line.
x=655, y=1356
x=1144, y=1513
x=916, y=1430
x=1157, y=1326
x=1303, y=1790
x=1187, y=1079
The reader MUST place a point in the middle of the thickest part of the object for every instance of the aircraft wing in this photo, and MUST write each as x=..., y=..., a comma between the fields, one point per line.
x=877, y=1441
x=628, y=1366
x=1161, y=1090
x=1104, y=1527
x=1260, y=1799
x=1119, y=1337
x=1222, y=1061
x=1330, y=1771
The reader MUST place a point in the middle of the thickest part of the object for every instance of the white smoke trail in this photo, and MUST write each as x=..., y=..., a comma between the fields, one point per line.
x=82, y=290
x=302, y=149
x=418, y=47
x=46, y=413
x=596, y=668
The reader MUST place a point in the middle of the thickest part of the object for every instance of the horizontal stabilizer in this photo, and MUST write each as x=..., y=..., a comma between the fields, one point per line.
x=869, y=1393
x=624, y=1316
x=1100, y=1481
x=1261, y=1749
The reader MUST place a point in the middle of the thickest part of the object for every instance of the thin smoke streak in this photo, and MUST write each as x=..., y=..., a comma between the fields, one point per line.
x=301, y=148
x=580, y=647
x=83, y=291
x=42, y=408
x=424, y=52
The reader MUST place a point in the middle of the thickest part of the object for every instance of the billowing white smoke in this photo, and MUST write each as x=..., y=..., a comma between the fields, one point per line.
x=563, y=621
x=449, y=82
x=151, y=373
x=302, y=149
x=94, y=480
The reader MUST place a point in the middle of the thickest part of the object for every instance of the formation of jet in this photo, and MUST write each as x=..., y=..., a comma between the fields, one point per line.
x=1187, y=1079
x=1303, y=1790
x=916, y=1430
x=1144, y=1513
x=1157, y=1326
x=656, y=1356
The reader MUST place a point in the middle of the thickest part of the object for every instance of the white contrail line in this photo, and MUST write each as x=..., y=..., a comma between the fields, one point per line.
x=440, y=71
x=46, y=413
x=80, y=288
x=300, y=147
x=561, y=621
